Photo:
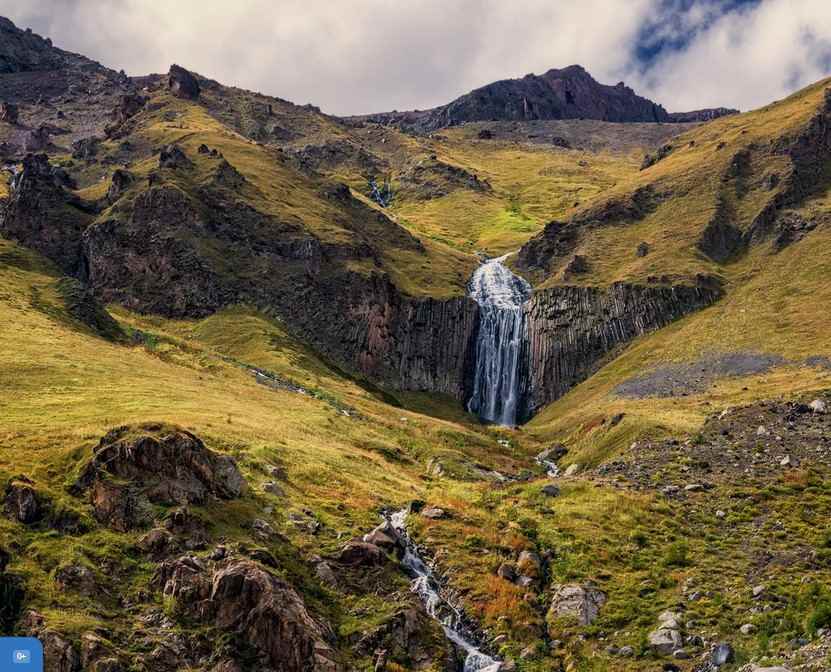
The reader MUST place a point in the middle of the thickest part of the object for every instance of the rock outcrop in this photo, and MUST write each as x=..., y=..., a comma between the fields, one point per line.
x=42, y=214
x=571, y=328
x=153, y=463
x=242, y=598
x=182, y=83
x=568, y=93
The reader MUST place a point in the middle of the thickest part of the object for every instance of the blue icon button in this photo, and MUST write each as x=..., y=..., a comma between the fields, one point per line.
x=20, y=654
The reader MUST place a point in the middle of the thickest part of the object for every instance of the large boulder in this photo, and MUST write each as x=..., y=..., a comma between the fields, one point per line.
x=162, y=464
x=665, y=640
x=242, y=598
x=182, y=83
x=577, y=602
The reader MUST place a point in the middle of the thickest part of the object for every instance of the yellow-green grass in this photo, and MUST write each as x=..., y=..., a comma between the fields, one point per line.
x=771, y=308
x=689, y=183
x=530, y=186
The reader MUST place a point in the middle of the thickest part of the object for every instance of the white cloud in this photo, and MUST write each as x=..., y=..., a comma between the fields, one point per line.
x=372, y=55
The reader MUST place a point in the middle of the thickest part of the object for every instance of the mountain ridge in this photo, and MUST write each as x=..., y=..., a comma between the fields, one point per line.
x=567, y=93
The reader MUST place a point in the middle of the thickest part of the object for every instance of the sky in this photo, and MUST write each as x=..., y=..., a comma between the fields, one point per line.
x=360, y=56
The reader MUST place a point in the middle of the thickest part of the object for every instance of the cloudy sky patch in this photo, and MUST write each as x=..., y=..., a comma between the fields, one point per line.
x=360, y=56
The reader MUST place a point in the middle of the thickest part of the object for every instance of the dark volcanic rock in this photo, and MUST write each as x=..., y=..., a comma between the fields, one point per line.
x=570, y=93
x=154, y=463
x=23, y=503
x=86, y=148
x=721, y=240
x=41, y=214
x=121, y=181
x=571, y=328
x=8, y=113
x=242, y=598
x=172, y=156
x=182, y=83
x=707, y=114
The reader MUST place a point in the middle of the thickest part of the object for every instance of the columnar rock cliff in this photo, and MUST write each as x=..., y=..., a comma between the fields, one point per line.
x=571, y=328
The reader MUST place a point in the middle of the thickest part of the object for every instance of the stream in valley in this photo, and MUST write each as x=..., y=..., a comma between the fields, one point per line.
x=428, y=588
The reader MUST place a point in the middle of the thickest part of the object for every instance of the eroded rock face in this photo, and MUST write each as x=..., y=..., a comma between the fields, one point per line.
x=182, y=83
x=161, y=464
x=570, y=328
x=41, y=214
x=241, y=597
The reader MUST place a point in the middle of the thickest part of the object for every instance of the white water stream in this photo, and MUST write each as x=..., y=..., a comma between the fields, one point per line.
x=427, y=588
x=497, y=386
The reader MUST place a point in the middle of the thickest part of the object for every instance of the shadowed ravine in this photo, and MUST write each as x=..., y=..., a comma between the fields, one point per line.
x=500, y=366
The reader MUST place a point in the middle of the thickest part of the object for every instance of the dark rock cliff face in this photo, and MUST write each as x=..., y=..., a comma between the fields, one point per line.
x=419, y=344
x=571, y=329
x=569, y=93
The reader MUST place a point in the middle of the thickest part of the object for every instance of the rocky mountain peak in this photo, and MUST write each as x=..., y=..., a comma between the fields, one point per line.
x=559, y=93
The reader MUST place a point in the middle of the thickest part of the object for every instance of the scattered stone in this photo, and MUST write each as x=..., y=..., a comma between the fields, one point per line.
x=787, y=461
x=758, y=591
x=572, y=600
x=550, y=490
x=664, y=641
x=818, y=406
x=172, y=156
x=507, y=571
x=694, y=487
x=720, y=514
x=485, y=134
x=762, y=431
x=78, y=578
x=680, y=654
x=643, y=250
x=573, y=469
x=362, y=554
x=626, y=651
x=747, y=629
x=722, y=655
x=434, y=513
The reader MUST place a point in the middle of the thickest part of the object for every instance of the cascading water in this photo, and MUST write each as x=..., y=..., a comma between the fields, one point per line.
x=499, y=377
x=427, y=588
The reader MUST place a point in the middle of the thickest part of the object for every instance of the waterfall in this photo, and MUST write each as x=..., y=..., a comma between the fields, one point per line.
x=427, y=588
x=500, y=351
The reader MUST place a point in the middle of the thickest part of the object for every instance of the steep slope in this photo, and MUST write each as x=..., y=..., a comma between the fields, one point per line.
x=570, y=93
x=675, y=238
